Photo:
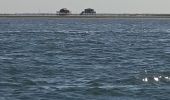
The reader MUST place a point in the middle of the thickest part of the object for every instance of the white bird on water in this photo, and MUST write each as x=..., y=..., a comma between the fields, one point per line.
x=168, y=78
x=156, y=79
x=145, y=79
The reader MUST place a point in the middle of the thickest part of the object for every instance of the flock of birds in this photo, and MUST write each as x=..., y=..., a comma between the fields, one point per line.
x=157, y=79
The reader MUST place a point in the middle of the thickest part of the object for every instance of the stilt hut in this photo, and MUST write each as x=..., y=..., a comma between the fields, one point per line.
x=88, y=11
x=64, y=11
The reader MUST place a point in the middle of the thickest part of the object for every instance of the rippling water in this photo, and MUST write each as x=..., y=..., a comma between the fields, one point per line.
x=84, y=59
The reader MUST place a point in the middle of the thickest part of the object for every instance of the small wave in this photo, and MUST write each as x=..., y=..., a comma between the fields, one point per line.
x=48, y=31
x=78, y=31
x=167, y=30
x=9, y=84
x=72, y=31
x=10, y=31
x=25, y=31
x=164, y=40
x=5, y=58
x=39, y=31
x=167, y=50
x=155, y=30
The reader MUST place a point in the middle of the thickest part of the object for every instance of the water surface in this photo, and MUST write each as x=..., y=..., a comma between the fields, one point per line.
x=84, y=59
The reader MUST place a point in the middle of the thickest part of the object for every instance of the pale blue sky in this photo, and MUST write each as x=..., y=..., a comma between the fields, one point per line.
x=76, y=6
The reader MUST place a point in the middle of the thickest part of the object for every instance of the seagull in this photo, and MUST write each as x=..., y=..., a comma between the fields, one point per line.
x=156, y=79
x=145, y=79
x=166, y=77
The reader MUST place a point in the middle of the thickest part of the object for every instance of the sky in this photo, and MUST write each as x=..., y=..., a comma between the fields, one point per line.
x=76, y=6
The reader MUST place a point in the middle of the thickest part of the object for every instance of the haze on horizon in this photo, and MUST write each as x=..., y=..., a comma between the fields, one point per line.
x=76, y=6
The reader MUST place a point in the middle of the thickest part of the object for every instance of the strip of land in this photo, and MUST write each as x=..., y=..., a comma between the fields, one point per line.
x=46, y=15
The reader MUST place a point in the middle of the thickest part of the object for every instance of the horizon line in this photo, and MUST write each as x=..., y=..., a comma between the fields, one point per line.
x=94, y=14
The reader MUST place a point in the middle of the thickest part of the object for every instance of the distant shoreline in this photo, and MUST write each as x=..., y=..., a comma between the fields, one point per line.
x=46, y=15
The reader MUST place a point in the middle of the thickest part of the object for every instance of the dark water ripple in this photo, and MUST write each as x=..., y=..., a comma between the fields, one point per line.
x=84, y=59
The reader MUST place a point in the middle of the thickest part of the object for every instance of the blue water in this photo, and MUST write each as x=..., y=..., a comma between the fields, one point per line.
x=84, y=59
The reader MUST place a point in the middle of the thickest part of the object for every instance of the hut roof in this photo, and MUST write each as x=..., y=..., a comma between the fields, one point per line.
x=64, y=9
